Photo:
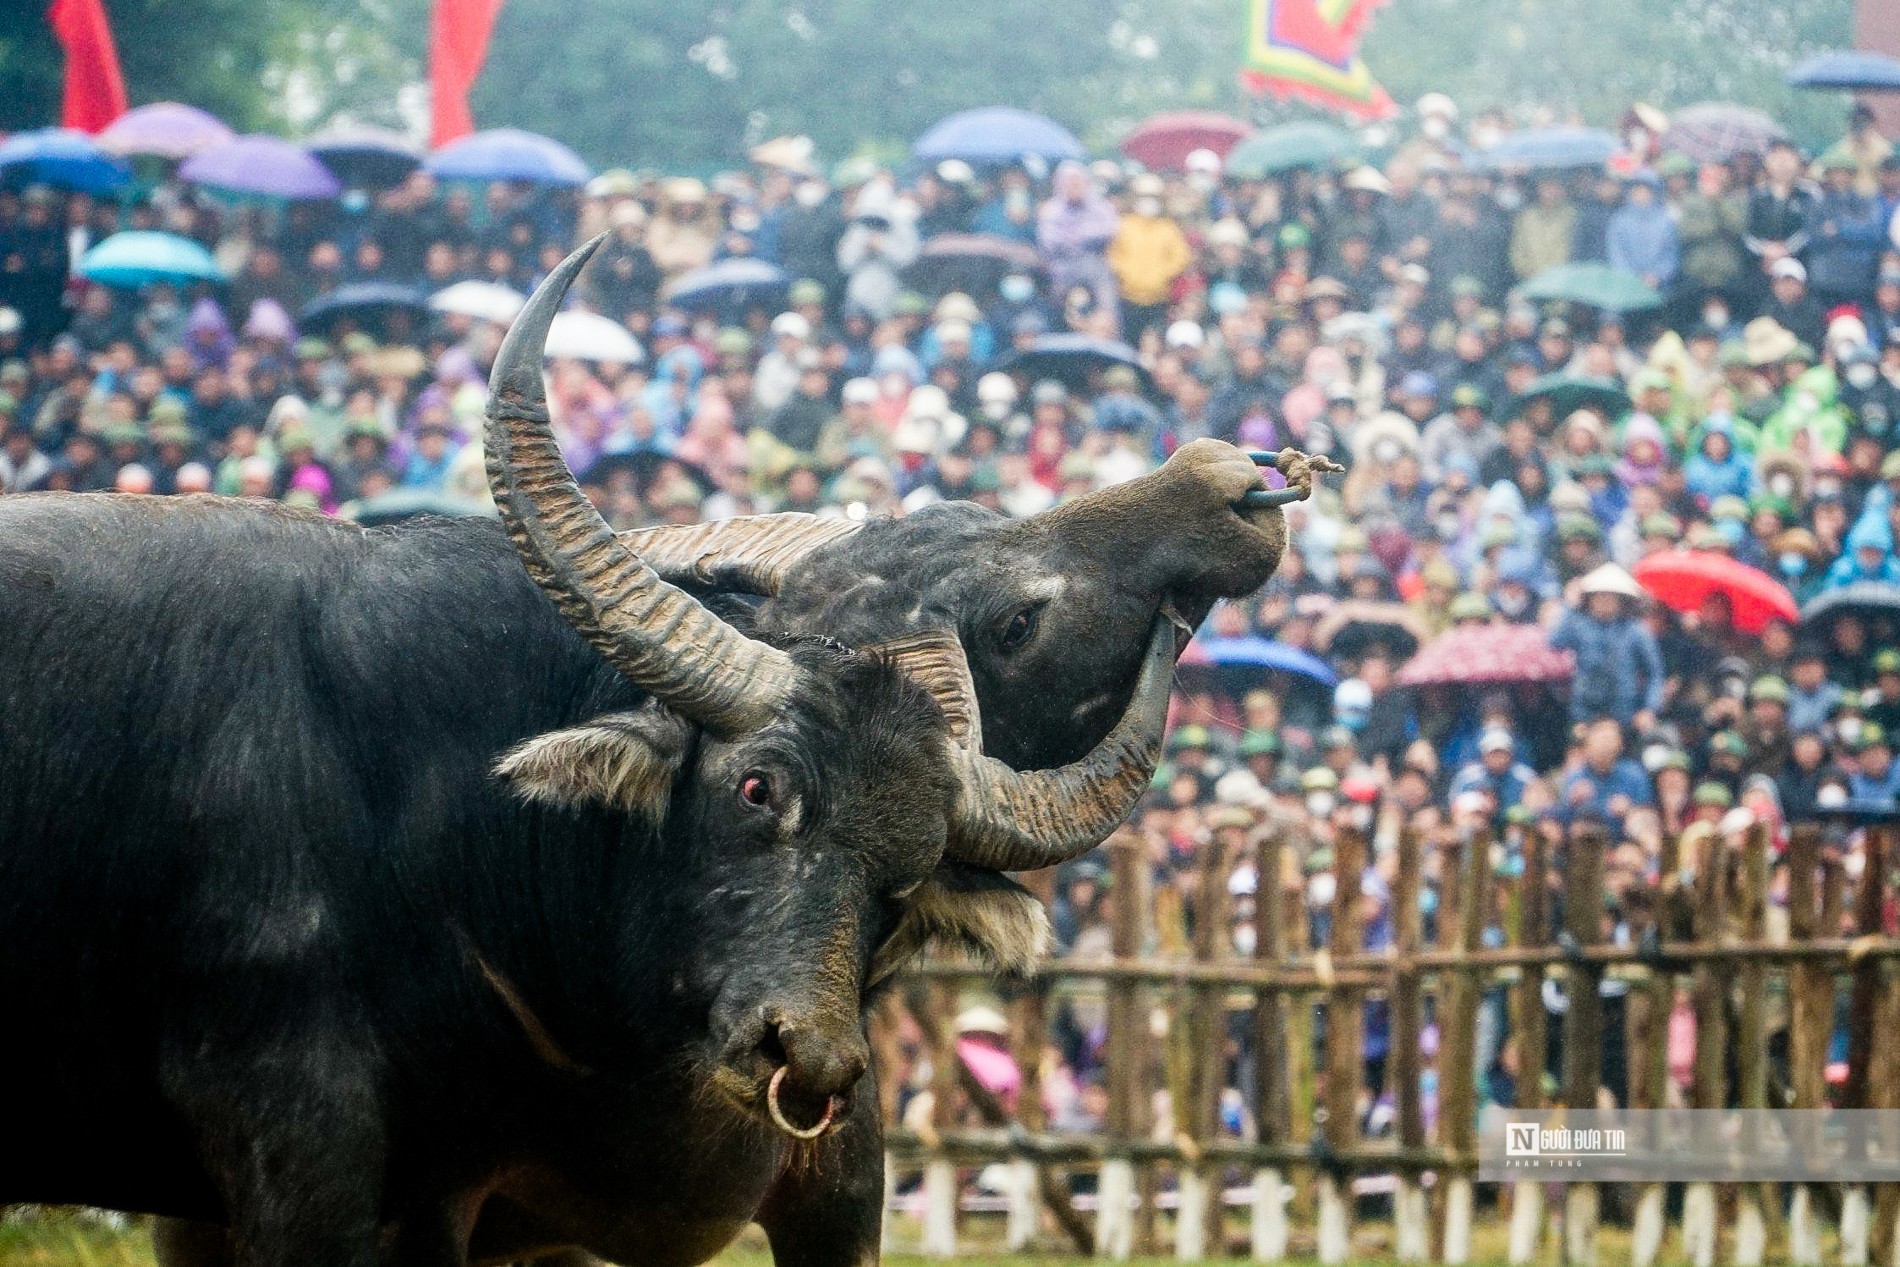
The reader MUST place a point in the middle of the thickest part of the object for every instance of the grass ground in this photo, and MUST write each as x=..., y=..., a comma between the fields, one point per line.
x=32, y=1238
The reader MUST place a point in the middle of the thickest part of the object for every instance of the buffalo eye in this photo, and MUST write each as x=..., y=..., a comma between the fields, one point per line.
x=756, y=789
x=1019, y=628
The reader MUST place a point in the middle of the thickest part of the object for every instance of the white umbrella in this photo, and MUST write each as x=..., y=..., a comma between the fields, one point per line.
x=485, y=301
x=588, y=336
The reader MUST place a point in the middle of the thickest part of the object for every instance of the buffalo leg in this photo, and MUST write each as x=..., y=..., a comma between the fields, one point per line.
x=827, y=1208
x=183, y=1243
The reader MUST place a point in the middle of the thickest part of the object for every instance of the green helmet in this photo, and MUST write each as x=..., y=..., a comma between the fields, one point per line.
x=1260, y=743
x=1768, y=687
x=1469, y=605
x=1713, y=794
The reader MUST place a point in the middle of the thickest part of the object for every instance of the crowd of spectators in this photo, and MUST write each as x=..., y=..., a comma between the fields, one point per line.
x=1370, y=313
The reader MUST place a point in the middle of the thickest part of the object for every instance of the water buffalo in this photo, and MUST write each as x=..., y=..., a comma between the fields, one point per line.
x=356, y=879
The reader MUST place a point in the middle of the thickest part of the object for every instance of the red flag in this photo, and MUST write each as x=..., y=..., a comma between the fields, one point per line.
x=458, y=44
x=95, y=90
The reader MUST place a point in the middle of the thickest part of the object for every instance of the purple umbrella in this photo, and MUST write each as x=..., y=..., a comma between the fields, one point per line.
x=509, y=154
x=259, y=164
x=164, y=129
x=1716, y=131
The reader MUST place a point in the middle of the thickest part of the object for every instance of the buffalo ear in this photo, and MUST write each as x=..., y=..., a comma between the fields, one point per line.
x=981, y=911
x=623, y=761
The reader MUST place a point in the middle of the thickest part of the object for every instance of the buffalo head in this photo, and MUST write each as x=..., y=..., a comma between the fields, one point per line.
x=818, y=787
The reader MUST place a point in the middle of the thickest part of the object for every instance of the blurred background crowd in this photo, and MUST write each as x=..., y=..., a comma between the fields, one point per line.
x=1615, y=542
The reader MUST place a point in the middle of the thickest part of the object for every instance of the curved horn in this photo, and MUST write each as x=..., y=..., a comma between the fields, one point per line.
x=1021, y=820
x=750, y=553
x=655, y=634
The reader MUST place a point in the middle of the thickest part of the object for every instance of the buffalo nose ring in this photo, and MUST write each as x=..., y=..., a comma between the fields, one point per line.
x=784, y=1123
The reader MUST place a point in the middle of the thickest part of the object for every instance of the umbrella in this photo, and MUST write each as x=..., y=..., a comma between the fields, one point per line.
x=138, y=257
x=1243, y=660
x=406, y=503
x=1350, y=628
x=366, y=157
x=509, y=154
x=730, y=285
x=1553, y=149
x=1682, y=579
x=1163, y=142
x=61, y=157
x=995, y=1071
x=1571, y=392
x=1071, y=359
x=1716, y=131
x=1877, y=602
x=588, y=336
x=970, y=262
x=259, y=164
x=485, y=301
x=1288, y=146
x=359, y=300
x=164, y=129
x=1594, y=285
x=997, y=134
x=1851, y=70
x=1484, y=654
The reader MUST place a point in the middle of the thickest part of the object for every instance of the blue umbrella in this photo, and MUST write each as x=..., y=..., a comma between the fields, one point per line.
x=1071, y=358
x=1848, y=71
x=61, y=157
x=997, y=134
x=363, y=299
x=730, y=286
x=1252, y=651
x=139, y=257
x=509, y=154
x=1553, y=149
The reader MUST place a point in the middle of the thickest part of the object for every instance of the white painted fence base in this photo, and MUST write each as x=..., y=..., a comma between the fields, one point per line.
x=1335, y=1221
x=1114, y=1211
x=1412, y=1240
x=1190, y=1220
x=1527, y=1222
x=1580, y=1225
x=1698, y=1224
x=1025, y=1206
x=1804, y=1229
x=1269, y=1216
x=940, y=1209
x=1646, y=1236
x=1458, y=1220
x=1751, y=1231
x=884, y=1237
x=1856, y=1216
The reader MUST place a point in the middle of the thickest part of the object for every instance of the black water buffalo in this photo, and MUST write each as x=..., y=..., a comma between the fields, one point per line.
x=358, y=686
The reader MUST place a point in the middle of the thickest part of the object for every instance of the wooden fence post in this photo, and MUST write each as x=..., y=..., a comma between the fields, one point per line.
x=1869, y=892
x=1651, y=1002
x=940, y=1173
x=1029, y=1025
x=1127, y=1042
x=1271, y=1107
x=1457, y=1048
x=1810, y=1015
x=1709, y=1082
x=1751, y=1053
x=1345, y=1027
x=1197, y=1226
x=1529, y=1028
x=1412, y=1230
x=1583, y=1025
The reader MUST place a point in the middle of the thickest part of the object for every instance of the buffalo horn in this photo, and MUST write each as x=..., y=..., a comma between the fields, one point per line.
x=749, y=554
x=653, y=633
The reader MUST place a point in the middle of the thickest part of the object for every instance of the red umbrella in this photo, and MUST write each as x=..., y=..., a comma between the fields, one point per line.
x=1682, y=579
x=1163, y=142
x=1484, y=654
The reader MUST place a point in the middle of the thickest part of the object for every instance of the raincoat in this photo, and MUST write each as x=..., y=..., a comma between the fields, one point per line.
x=1642, y=240
x=1709, y=478
x=1848, y=568
x=1810, y=407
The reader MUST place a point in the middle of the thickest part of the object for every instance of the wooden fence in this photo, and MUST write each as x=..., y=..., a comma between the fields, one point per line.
x=1299, y=1175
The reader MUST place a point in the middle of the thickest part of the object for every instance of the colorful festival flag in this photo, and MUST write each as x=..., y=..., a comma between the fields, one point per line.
x=458, y=45
x=94, y=89
x=1310, y=49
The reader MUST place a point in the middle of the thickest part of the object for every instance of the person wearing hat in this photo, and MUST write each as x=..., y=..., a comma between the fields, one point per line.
x=1791, y=306
x=1148, y=254
x=684, y=233
x=1849, y=236
x=1497, y=772
x=1882, y=705
x=1259, y=753
x=1875, y=781
x=1765, y=729
x=1711, y=801
x=1641, y=236
x=1619, y=666
x=1462, y=431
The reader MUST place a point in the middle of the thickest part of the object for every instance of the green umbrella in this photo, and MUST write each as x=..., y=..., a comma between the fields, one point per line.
x=1288, y=146
x=1594, y=285
x=1571, y=392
